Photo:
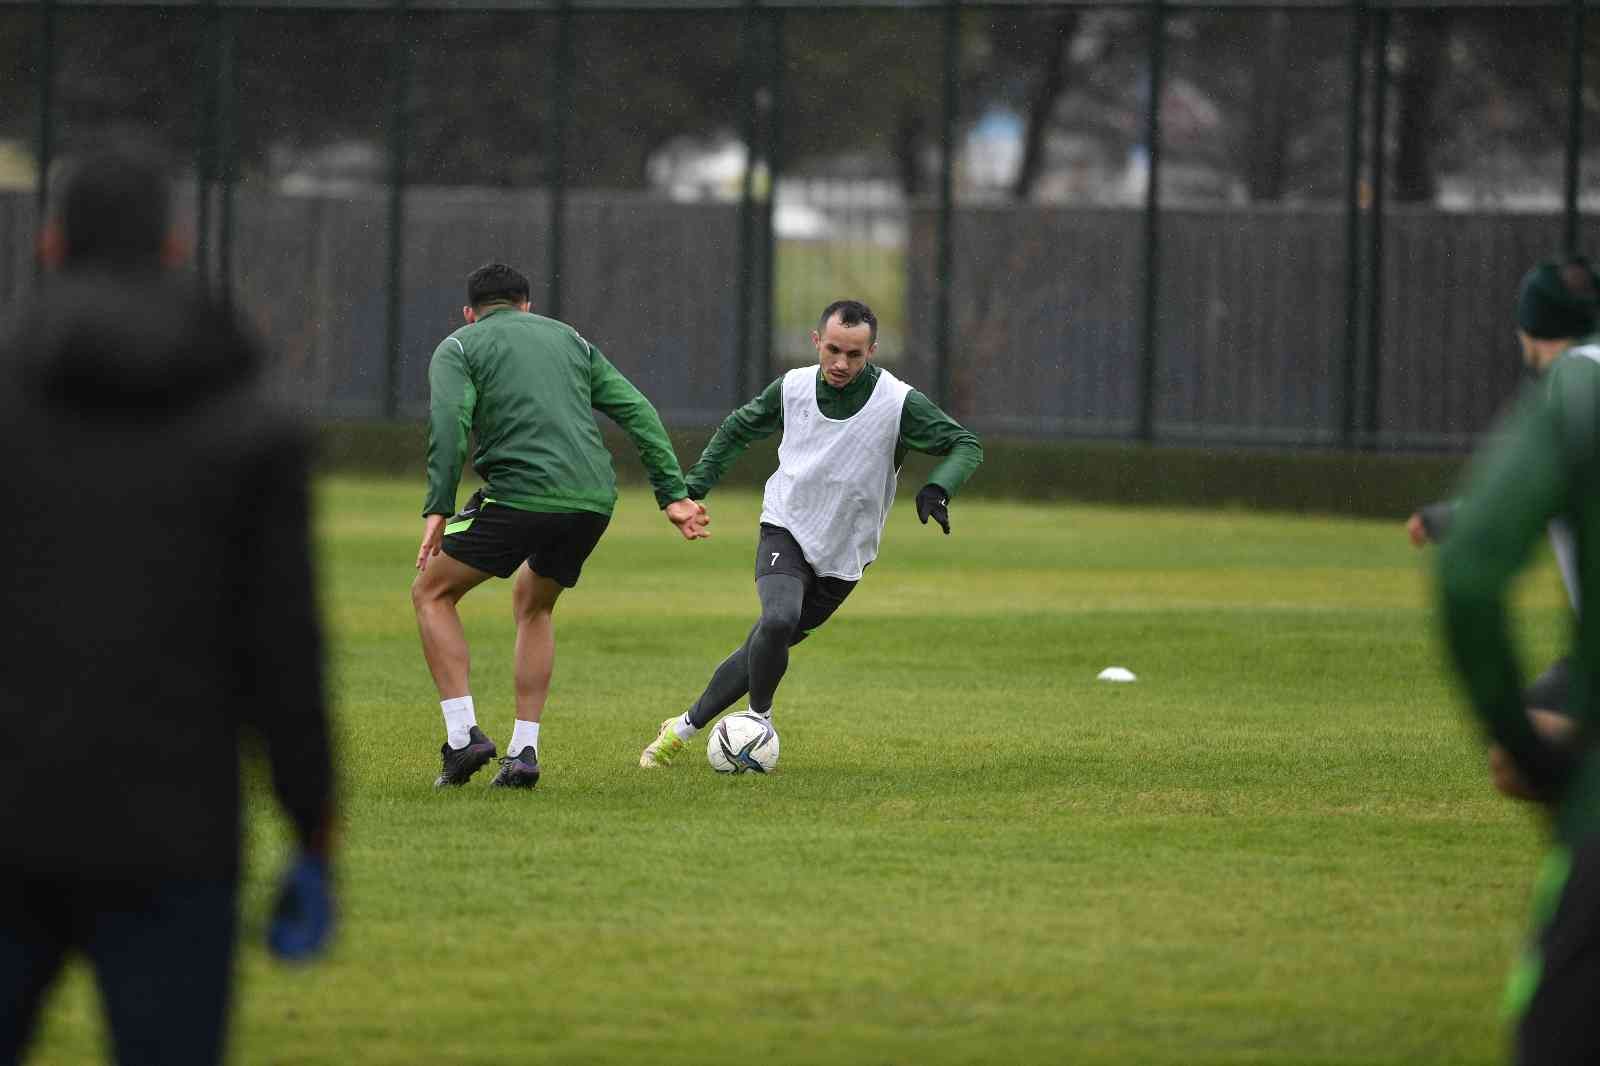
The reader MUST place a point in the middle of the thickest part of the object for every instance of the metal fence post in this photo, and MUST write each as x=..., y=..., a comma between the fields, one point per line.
x=558, y=120
x=205, y=144
x=1150, y=336
x=227, y=147
x=774, y=171
x=1380, y=166
x=945, y=271
x=747, y=211
x=399, y=119
x=1571, y=236
x=1352, y=224
x=44, y=134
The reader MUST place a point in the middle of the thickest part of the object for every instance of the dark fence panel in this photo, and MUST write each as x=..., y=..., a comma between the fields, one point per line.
x=689, y=183
x=1450, y=358
x=303, y=275
x=1044, y=318
x=311, y=242
x=20, y=56
x=651, y=284
x=654, y=302
x=1252, y=321
x=17, y=229
x=1251, y=325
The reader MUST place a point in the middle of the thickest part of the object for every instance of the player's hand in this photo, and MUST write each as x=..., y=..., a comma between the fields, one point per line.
x=1557, y=729
x=1417, y=530
x=432, y=537
x=302, y=919
x=1503, y=772
x=690, y=517
x=934, y=502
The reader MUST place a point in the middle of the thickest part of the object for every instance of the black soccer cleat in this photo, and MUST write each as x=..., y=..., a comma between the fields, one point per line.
x=518, y=771
x=461, y=763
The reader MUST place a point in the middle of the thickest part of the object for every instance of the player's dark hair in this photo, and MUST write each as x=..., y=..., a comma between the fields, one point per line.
x=851, y=313
x=496, y=283
x=115, y=205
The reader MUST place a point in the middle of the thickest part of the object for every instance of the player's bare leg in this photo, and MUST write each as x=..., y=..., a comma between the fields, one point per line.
x=434, y=595
x=533, y=600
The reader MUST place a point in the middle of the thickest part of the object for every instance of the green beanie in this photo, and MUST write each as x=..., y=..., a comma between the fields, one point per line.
x=1548, y=309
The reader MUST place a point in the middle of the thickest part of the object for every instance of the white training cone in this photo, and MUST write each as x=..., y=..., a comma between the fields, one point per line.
x=1116, y=673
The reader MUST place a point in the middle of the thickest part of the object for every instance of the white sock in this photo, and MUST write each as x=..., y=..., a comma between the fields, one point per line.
x=767, y=714
x=524, y=735
x=685, y=728
x=458, y=718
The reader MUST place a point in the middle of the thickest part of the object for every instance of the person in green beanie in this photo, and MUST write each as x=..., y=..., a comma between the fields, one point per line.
x=1543, y=466
x=1547, y=315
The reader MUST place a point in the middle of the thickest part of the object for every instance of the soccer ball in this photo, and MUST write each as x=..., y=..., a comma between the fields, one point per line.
x=743, y=741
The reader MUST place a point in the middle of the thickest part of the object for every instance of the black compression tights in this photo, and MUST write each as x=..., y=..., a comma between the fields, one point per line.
x=758, y=665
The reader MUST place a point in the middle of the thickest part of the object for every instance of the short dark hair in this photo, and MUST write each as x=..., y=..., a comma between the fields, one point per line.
x=851, y=313
x=496, y=283
x=115, y=204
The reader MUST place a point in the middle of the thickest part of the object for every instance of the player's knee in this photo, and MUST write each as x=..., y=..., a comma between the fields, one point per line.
x=531, y=610
x=780, y=622
x=421, y=593
x=427, y=591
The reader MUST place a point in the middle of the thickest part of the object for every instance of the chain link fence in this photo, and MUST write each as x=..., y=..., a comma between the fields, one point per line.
x=1297, y=223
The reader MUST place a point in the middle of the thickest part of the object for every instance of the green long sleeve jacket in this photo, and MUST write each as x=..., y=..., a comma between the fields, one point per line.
x=1543, y=463
x=528, y=387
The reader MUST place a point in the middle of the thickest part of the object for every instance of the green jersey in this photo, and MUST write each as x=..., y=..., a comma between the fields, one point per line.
x=923, y=428
x=1544, y=464
x=528, y=388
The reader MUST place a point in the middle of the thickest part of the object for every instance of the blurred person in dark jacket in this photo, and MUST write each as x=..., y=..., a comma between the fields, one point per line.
x=160, y=593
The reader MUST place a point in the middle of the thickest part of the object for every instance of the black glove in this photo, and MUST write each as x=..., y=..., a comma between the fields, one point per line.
x=933, y=500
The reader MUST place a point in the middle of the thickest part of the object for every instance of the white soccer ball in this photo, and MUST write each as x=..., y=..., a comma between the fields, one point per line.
x=743, y=742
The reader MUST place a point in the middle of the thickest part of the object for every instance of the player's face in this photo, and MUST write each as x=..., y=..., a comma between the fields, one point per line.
x=843, y=350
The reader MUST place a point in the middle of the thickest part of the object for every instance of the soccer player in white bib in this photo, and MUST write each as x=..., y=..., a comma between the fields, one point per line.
x=847, y=425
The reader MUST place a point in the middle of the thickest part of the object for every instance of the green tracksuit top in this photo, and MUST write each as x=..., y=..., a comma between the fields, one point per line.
x=923, y=428
x=528, y=388
x=1543, y=464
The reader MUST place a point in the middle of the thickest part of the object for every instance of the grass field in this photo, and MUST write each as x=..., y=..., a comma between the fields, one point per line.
x=1278, y=846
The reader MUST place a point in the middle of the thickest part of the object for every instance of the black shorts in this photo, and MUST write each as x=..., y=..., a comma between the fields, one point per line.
x=1549, y=690
x=1555, y=986
x=497, y=539
x=777, y=552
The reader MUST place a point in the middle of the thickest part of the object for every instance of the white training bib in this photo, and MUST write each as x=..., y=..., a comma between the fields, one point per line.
x=835, y=479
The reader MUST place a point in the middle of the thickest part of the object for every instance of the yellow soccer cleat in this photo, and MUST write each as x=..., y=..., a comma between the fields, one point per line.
x=662, y=750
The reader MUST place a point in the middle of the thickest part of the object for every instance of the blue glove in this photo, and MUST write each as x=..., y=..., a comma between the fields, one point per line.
x=302, y=920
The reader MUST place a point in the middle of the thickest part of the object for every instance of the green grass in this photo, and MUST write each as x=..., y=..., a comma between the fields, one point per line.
x=1278, y=846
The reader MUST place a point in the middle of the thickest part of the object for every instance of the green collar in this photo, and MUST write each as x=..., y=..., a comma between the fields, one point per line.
x=495, y=309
